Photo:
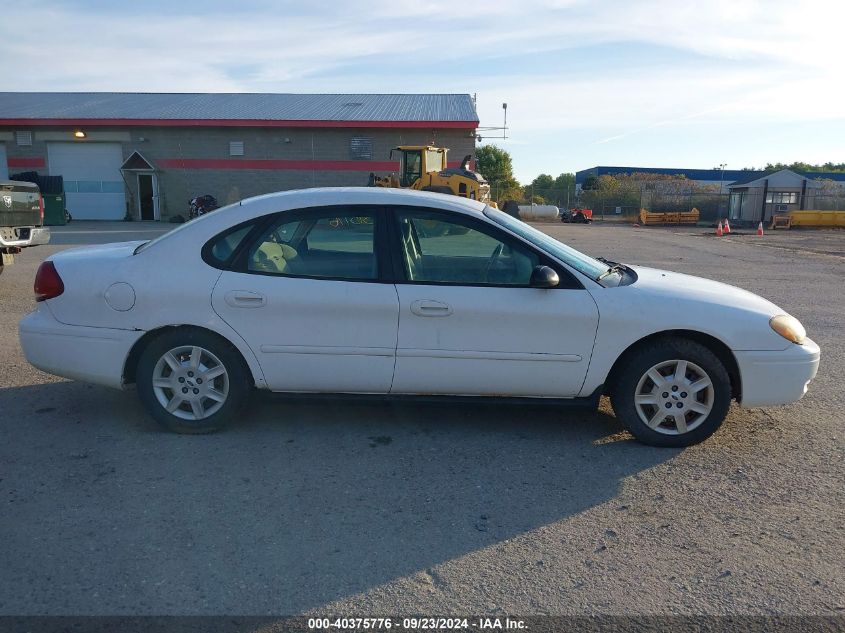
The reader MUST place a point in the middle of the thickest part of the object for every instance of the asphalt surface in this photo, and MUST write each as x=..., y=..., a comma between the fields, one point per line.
x=431, y=509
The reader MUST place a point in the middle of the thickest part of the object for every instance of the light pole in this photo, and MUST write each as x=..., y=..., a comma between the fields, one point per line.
x=721, y=178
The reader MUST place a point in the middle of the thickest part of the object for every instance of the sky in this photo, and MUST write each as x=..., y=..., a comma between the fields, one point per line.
x=649, y=83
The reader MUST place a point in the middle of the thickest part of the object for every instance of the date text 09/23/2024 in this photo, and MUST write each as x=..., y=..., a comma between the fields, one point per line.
x=415, y=624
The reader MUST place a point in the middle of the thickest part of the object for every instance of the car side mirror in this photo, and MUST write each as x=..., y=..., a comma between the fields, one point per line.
x=544, y=277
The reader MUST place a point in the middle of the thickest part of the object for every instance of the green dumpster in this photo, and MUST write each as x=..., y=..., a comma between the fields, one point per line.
x=54, y=209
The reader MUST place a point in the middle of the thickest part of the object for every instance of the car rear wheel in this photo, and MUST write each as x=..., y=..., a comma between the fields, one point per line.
x=192, y=381
x=675, y=392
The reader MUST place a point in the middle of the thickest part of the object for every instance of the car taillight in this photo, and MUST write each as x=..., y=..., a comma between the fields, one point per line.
x=48, y=284
x=41, y=204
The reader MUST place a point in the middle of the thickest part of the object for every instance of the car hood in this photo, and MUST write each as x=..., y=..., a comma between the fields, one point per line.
x=678, y=286
x=661, y=301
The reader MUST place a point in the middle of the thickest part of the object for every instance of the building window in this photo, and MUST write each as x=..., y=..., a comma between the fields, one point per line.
x=361, y=148
x=782, y=197
x=24, y=138
x=236, y=148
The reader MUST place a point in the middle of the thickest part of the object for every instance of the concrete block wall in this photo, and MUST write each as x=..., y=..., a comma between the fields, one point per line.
x=165, y=147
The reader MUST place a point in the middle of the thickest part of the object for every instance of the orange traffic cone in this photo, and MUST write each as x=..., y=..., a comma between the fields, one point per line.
x=727, y=227
x=760, y=229
x=719, y=231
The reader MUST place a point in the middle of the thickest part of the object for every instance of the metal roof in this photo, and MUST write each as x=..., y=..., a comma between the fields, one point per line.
x=811, y=181
x=238, y=107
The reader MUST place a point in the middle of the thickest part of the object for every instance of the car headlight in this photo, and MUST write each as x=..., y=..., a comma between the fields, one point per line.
x=789, y=328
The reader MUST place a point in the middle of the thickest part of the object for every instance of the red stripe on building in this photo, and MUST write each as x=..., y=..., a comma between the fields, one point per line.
x=25, y=162
x=237, y=123
x=306, y=165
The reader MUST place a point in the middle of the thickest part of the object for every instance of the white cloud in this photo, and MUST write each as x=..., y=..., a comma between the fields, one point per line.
x=738, y=61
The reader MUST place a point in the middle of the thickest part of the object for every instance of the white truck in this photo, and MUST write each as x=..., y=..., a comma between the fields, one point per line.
x=21, y=219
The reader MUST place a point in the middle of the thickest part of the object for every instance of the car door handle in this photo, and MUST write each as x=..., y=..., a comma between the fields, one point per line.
x=429, y=308
x=245, y=299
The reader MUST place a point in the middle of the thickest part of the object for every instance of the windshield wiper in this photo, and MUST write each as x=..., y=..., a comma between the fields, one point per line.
x=616, y=268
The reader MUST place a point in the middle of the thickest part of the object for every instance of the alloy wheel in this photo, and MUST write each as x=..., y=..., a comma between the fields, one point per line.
x=674, y=397
x=190, y=382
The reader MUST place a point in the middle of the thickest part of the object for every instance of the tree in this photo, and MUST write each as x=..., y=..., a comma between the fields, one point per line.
x=543, y=182
x=494, y=164
x=565, y=182
x=799, y=166
x=507, y=190
x=590, y=182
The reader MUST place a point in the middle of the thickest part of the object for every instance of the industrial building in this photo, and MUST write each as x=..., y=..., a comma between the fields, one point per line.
x=699, y=176
x=146, y=155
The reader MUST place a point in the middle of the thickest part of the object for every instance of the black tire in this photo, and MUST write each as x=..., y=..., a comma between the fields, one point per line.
x=216, y=349
x=699, y=358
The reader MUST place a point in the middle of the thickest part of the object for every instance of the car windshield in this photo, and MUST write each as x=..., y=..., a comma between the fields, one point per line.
x=584, y=264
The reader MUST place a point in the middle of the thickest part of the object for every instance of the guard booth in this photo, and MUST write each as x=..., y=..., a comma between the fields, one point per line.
x=760, y=198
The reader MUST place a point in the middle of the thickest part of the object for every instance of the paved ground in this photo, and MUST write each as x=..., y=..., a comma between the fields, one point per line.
x=397, y=509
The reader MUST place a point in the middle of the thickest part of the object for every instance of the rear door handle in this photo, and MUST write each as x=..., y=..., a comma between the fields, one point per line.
x=245, y=299
x=430, y=308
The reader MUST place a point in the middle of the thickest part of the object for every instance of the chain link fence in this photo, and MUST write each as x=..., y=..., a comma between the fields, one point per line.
x=621, y=206
x=624, y=203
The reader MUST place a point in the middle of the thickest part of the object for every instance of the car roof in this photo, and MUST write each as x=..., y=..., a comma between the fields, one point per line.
x=212, y=223
x=327, y=196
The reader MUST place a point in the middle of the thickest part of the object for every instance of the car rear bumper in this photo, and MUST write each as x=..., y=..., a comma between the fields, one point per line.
x=19, y=236
x=40, y=236
x=89, y=354
x=772, y=378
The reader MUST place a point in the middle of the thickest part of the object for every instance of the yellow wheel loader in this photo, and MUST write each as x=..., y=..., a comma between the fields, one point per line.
x=424, y=168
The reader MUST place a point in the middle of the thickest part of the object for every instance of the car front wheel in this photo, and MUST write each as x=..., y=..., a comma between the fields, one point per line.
x=675, y=392
x=191, y=381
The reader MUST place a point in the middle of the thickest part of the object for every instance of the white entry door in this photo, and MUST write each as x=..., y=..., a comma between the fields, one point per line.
x=94, y=186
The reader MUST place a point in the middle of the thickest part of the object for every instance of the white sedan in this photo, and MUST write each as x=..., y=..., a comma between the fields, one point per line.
x=380, y=291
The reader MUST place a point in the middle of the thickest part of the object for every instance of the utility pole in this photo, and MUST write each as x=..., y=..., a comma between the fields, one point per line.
x=721, y=179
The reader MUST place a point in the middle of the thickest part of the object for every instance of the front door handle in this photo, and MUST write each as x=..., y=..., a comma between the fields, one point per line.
x=245, y=299
x=430, y=308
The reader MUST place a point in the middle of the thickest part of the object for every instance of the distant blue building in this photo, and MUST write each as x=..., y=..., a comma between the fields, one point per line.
x=701, y=176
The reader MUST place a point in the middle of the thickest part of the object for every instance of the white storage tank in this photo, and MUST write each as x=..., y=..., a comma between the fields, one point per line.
x=539, y=212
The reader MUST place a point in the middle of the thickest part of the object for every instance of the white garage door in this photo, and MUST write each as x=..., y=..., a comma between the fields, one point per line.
x=4, y=167
x=93, y=184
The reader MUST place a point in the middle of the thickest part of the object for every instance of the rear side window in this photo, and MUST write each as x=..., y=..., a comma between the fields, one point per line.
x=220, y=250
x=329, y=243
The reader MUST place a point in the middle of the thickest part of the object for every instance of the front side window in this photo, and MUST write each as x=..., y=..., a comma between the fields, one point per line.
x=446, y=250
x=584, y=264
x=331, y=244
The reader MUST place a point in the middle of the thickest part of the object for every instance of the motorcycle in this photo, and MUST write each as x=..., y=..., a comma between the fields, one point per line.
x=202, y=205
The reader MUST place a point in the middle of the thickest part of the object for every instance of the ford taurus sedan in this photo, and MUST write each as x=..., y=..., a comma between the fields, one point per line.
x=379, y=291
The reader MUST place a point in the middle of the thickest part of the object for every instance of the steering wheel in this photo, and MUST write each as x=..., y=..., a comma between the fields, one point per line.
x=493, y=259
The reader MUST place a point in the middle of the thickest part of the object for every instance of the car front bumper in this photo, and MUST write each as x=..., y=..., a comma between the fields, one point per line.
x=89, y=354
x=772, y=378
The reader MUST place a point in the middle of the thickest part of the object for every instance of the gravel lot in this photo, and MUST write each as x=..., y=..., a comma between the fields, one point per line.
x=431, y=509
